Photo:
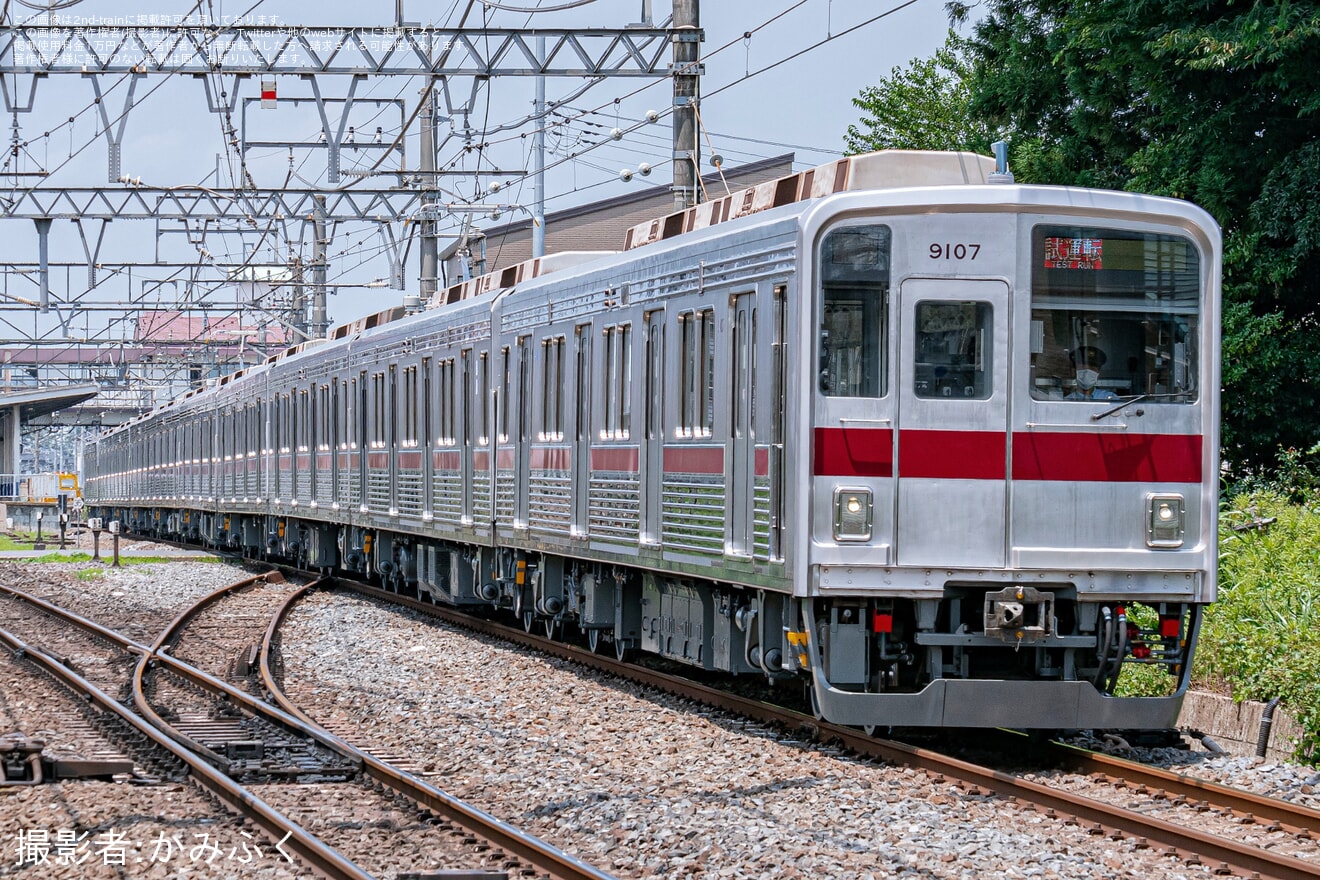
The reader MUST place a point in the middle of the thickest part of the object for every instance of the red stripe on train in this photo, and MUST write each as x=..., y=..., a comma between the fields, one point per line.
x=410, y=459
x=448, y=460
x=481, y=461
x=979, y=455
x=550, y=458
x=622, y=459
x=694, y=459
x=1115, y=458
x=853, y=452
x=951, y=455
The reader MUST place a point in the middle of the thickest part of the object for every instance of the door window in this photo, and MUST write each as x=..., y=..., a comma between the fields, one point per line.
x=953, y=350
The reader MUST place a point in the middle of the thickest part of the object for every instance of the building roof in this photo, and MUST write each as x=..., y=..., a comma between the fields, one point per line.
x=43, y=401
x=601, y=225
x=164, y=326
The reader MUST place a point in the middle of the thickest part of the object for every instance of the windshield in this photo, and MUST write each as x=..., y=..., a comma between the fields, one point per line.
x=1114, y=314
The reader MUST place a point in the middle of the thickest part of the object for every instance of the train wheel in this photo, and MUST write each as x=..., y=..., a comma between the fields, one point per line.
x=528, y=620
x=593, y=640
x=869, y=729
x=551, y=627
x=620, y=650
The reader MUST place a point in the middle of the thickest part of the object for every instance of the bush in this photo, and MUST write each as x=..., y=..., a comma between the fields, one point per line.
x=1262, y=637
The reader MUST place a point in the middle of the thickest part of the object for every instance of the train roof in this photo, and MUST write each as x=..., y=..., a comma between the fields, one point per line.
x=889, y=169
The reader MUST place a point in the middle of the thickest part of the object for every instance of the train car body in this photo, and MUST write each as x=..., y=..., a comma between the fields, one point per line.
x=845, y=427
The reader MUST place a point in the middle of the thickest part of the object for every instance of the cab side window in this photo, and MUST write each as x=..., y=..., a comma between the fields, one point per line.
x=854, y=312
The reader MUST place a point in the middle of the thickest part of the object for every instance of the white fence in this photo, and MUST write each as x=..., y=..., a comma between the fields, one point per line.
x=37, y=488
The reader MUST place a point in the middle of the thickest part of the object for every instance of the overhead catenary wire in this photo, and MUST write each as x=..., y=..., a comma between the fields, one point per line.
x=485, y=156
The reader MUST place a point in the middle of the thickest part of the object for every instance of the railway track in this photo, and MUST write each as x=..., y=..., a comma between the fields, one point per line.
x=1201, y=823
x=219, y=731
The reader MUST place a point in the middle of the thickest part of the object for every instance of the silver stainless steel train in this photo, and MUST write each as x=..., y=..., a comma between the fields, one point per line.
x=940, y=445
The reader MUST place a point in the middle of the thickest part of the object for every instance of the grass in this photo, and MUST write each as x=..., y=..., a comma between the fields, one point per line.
x=80, y=556
x=21, y=540
x=1261, y=639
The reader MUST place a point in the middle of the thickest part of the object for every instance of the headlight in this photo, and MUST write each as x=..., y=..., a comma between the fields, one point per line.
x=1166, y=520
x=852, y=514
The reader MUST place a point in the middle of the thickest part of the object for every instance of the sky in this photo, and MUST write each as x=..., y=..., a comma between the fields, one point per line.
x=779, y=77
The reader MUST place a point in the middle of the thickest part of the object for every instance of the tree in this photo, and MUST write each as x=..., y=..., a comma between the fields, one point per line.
x=1210, y=101
x=922, y=108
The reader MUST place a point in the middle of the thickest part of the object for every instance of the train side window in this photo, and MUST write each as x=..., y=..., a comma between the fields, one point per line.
x=254, y=428
x=654, y=400
x=618, y=383
x=335, y=417
x=349, y=437
x=483, y=398
x=953, y=350
x=582, y=376
x=446, y=434
x=697, y=373
x=325, y=413
x=409, y=427
x=1114, y=313
x=853, y=268
x=466, y=393
x=378, y=411
x=304, y=420
x=506, y=386
x=552, y=388
x=393, y=412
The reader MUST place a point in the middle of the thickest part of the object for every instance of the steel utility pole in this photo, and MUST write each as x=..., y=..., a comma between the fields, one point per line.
x=320, y=320
x=687, y=75
x=426, y=164
x=538, y=160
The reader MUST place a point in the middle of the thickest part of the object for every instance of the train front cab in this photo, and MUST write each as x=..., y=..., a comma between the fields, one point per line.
x=997, y=532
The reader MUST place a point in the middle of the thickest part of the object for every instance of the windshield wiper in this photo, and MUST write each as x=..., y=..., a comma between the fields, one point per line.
x=1095, y=417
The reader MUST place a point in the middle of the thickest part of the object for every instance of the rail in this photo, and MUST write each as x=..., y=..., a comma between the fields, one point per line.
x=554, y=861
x=278, y=827
x=1189, y=841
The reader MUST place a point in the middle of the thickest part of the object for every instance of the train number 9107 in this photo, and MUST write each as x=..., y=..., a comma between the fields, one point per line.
x=954, y=251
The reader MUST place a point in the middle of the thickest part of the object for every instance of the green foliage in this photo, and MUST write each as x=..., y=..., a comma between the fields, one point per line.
x=87, y=557
x=1145, y=680
x=16, y=541
x=1209, y=102
x=922, y=108
x=1262, y=637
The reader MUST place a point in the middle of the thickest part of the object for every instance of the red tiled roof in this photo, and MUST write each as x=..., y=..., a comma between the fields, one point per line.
x=158, y=325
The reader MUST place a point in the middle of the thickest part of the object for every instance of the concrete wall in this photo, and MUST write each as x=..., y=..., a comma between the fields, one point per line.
x=1236, y=726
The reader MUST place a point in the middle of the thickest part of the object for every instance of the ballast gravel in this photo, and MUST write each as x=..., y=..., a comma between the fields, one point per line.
x=643, y=784
x=139, y=599
x=638, y=783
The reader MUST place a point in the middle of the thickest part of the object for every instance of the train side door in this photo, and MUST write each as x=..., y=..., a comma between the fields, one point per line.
x=953, y=423
x=364, y=442
x=392, y=441
x=467, y=440
x=742, y=448
x=653, y=442
x=335, y=441
x=522, y=454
